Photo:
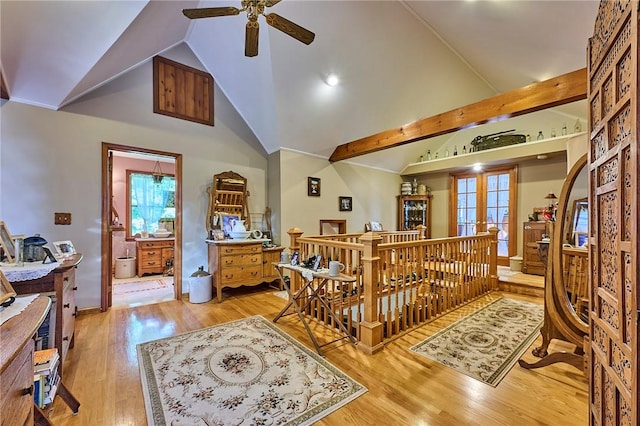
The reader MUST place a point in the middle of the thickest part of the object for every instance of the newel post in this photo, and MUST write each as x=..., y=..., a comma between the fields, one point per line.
x=370, y=328
x=422, y=232
x=493, y=259
x=294, y=245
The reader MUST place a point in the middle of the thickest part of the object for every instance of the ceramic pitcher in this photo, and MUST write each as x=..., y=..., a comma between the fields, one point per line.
x=238, y=226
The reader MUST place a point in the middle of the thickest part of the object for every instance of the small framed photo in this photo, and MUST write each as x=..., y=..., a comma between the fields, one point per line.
x=345, y=204
x=226, y=222
x=64, y=248
x=375, y=226
x=217, y=234
x=317, y=263
x=48, y=256
x=313, y=187
x=295, y=258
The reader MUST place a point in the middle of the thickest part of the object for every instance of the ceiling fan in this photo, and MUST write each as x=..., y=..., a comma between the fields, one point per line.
x=253, y=9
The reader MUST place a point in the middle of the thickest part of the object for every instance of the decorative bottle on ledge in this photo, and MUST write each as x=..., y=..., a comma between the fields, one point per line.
x=578, y=127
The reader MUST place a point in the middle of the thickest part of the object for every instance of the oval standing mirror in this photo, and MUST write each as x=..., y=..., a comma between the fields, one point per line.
x=570, y=254
x=566, y=279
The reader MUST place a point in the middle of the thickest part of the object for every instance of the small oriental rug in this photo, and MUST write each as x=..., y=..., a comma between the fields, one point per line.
x=242, y=372
x=486, y=344
x=141, y=285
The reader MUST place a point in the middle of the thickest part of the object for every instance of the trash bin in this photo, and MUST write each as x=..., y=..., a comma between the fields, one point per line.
x=515, y=263
x=125, y=267
x=200, y=287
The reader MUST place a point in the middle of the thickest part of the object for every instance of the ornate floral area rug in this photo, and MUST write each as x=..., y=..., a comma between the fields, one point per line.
x=244, y=372
x=486, y=344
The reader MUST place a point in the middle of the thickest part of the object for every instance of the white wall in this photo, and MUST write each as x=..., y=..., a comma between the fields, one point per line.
x=51, y=162
x=374, y=194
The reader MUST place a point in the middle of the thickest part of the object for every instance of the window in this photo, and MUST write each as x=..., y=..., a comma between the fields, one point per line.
x=149, y=202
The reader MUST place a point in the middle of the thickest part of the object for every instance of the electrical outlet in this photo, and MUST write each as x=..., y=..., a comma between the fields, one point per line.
x=62, y=219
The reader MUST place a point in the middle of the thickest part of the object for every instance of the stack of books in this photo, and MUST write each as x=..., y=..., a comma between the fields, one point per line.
x=45, y=376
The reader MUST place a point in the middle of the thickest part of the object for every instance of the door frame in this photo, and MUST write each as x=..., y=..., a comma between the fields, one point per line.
x=481, y=206
x=106, y=225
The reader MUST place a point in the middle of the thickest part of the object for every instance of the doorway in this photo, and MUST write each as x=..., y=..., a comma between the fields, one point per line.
x=134, y=226
x=484, y=200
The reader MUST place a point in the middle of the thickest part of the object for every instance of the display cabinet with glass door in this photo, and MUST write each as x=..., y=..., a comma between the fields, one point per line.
x=414, y=210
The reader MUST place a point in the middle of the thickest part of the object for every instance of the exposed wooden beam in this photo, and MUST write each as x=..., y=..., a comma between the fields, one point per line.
x=557, y=91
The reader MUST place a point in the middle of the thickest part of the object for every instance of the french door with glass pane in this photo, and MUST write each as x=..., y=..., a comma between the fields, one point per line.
x=484, y=200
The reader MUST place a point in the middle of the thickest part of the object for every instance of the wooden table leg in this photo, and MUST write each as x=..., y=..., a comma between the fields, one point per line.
x=68, y=398
x=39, y=417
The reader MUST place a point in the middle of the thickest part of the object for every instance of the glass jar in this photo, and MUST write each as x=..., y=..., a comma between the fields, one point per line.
x=18, y=244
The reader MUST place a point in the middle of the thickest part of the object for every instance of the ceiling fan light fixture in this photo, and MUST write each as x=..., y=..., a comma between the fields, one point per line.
x=253, y=9
x=332, y=80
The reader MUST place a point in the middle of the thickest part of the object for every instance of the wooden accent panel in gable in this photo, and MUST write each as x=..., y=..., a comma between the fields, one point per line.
x=550, y=93
x=182, y=92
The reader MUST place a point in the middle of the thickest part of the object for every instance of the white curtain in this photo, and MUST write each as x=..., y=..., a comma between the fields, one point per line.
x=151, y=198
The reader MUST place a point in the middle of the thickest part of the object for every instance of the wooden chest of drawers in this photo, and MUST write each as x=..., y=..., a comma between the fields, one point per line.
x=16, y=364
x=61, y=285
x=531, y=234
x=237, y=263
x=16, y=403
x=152, y=255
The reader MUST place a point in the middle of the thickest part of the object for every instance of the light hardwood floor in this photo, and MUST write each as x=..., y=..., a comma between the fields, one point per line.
x=404, y=388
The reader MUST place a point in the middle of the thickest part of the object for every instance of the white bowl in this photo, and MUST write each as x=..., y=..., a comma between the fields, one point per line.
x=160, y=234
x=239, y=235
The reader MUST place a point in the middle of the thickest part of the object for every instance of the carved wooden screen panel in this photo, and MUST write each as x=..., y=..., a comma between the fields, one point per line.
x=613, y=193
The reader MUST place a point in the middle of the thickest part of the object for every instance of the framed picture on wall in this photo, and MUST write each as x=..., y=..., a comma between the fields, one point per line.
x=344, y=204
x=313, y=187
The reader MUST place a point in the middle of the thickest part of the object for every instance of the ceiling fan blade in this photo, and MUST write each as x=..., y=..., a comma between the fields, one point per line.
x=270, y=3
x=288, y=27
x=251, y=39
x=210, y=12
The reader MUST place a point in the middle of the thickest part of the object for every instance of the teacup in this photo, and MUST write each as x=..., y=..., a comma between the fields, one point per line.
x=335, y=268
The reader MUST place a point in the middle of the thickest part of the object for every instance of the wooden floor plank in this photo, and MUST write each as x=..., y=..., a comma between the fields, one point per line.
x=404, y=388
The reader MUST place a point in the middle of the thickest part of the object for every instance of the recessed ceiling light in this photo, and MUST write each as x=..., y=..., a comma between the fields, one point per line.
x=477, y=167
x=332, y=80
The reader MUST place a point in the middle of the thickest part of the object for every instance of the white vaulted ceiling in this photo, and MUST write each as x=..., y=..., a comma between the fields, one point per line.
x=398, y=61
